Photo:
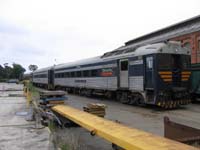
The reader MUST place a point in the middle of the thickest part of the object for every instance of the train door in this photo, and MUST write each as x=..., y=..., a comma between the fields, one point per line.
x=123, y=64
x=149, y=69
x=51, y=78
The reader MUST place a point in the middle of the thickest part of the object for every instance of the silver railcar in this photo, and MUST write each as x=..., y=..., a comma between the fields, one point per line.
x=155, y=74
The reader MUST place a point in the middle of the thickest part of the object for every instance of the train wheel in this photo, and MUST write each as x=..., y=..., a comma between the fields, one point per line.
x=139, y=99
x=132, y=100
x=82, y=92
x=109, y=94
x=124, y=98
x=88, y=93
x=118, y=96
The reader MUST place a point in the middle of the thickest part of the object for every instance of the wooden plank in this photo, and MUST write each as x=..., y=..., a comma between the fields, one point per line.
x=121, y=135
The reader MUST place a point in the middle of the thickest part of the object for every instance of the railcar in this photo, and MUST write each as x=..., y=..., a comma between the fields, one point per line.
x=156, y=74
x=195, y=82
x=44, y=78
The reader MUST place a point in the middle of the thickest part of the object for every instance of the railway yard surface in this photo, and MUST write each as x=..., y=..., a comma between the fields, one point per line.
x=149, y=119
x=17, y=133
x=146, y=118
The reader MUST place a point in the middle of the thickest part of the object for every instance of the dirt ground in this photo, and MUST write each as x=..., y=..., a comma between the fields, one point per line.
x=15, y=132
x=146, y=118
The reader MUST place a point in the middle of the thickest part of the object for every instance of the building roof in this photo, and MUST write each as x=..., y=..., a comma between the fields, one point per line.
x=175, y=30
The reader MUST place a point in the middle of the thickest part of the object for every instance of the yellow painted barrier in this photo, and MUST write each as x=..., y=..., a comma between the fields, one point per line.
x=29, y=98
x=25, y=91
x=121, y=135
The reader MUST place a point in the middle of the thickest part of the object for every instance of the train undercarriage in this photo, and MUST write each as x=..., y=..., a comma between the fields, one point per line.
x=133, y=98
x=166, y=100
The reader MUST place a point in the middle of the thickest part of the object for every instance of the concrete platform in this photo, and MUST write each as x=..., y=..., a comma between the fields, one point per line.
x=17, y=133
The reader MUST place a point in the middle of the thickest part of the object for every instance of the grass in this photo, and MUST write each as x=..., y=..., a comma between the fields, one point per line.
x=32, y=89
x=65, y=147
x=52, y=126
x=59, y=137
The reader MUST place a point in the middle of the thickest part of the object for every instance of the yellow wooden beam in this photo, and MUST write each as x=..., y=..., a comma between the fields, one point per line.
x=121, y=135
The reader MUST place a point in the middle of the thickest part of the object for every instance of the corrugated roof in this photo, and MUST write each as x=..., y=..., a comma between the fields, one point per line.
x=178, y=29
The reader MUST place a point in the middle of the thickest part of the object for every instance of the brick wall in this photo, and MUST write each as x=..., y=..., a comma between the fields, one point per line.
x=193, y=41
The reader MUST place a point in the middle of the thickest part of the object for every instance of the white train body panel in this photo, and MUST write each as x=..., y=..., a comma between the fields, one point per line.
x=136, y=83
x=40, y=80
x=107, y=83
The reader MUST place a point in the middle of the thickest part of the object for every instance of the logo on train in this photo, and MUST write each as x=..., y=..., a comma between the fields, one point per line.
x=107, y=72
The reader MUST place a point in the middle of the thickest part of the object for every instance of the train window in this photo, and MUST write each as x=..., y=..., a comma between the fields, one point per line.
x=41, y=76
x=94, y=73
x=185, y=61
x=78, y=74
x=65, y=74
x=124, y=65
x=86, y=73
x=165, y=61
x=149, y=62
x=72, y=74
x=62, y=75
x=69, y=74
x=75, y=74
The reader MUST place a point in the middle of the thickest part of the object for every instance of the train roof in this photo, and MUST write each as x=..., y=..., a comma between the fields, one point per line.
x=42, y=69
x=128, y=51
x=173, y=47
x=82, y=62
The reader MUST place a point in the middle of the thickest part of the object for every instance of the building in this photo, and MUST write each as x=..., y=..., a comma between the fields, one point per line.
x=188, y=32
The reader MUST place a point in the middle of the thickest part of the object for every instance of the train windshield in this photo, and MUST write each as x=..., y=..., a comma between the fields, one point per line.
x=171, y=61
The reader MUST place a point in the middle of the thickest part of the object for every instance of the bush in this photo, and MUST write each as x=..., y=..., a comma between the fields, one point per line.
x=3, y=80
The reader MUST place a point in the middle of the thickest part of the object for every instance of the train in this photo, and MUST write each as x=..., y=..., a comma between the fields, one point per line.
x=153, y=74
x=195, y=82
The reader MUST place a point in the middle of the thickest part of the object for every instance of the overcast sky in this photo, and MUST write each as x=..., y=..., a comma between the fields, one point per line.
x=47, y=32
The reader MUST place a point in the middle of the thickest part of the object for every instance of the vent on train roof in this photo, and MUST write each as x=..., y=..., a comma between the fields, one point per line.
x=151, y=48
x=119, y=51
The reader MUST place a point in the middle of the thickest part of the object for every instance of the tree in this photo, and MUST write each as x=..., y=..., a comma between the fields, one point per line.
x=2, y=73
x=14, y=72
x=5, y=64
x=7, y=71
x=17, y=71
x=32, y=67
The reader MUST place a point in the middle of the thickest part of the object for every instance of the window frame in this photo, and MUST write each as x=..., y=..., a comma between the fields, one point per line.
x=122, y=68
